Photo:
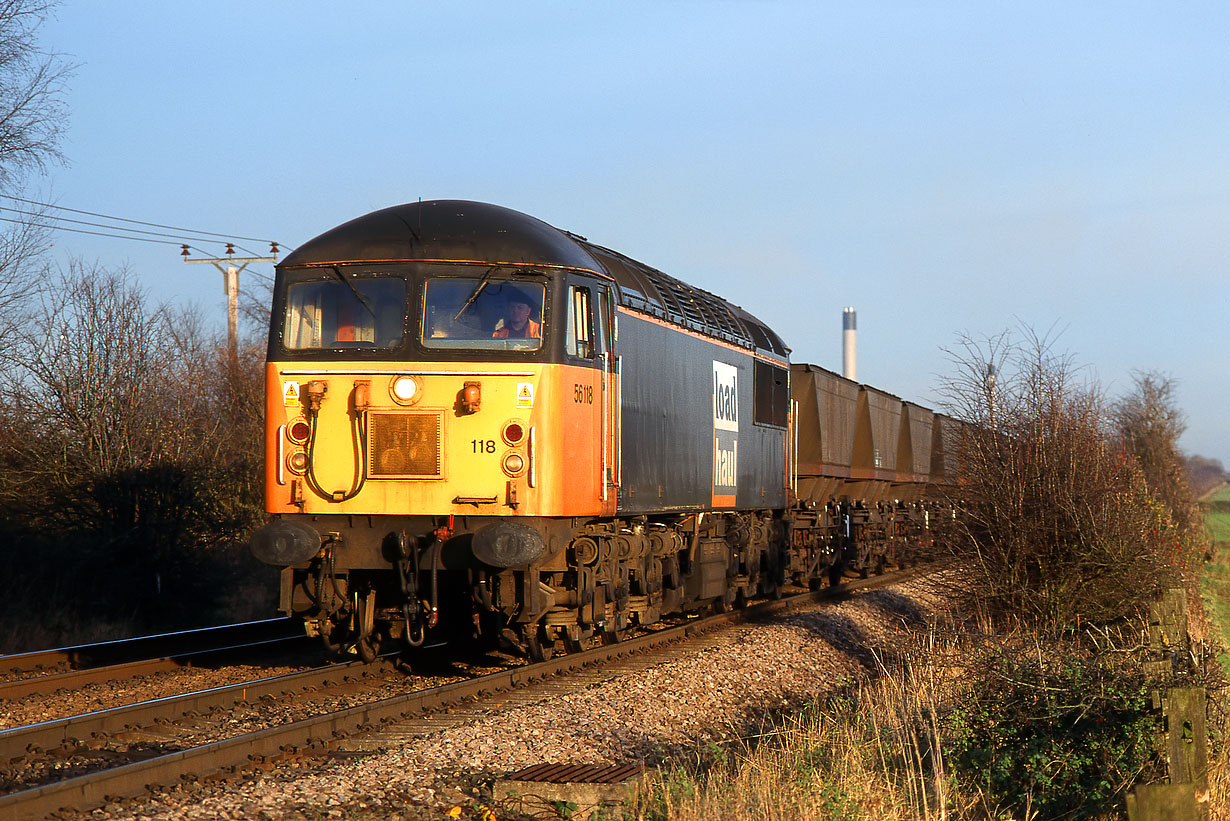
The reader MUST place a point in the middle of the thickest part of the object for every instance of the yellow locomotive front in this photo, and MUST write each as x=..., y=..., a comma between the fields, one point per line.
x=439, y=437
x=440, y=415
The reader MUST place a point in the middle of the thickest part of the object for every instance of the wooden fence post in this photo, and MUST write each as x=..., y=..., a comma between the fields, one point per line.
x=1185, y=797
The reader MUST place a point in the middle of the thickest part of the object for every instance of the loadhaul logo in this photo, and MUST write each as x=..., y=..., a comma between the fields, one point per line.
x=725, y=433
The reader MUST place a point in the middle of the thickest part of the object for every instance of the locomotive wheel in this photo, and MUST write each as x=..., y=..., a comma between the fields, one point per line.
x=572, y=638
x=726, y=602
x=615, y=636
x=535, y=647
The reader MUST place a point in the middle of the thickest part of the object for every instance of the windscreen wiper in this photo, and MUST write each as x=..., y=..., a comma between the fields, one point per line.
x=362, y=299
x=478, y=289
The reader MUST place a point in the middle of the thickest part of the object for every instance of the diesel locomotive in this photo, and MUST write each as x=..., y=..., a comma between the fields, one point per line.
x=479, y=424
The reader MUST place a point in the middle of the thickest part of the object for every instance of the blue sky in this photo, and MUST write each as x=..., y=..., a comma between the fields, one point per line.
x=945, y=168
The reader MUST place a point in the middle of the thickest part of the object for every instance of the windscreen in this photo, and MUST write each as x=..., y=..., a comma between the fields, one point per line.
x=346, y=312
x=482, y=313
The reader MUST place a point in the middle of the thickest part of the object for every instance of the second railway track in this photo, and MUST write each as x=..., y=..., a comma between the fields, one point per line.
x=120, y=651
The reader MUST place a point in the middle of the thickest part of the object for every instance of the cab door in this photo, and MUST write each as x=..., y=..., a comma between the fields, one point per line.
x=588, y=389
x=607, y=340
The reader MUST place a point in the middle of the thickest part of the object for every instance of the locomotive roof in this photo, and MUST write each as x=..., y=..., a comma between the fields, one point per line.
x=453, y=230
x=463, y=231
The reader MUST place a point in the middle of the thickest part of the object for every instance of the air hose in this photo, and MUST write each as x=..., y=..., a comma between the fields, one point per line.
x=359, y=430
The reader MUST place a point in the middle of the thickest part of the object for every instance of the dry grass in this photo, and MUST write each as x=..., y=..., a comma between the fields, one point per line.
x=1219, y=783
x=873, y=751
x=870, y=752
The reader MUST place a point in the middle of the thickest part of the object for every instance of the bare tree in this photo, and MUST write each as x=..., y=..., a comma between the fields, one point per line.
x=32, y=110
x=1206, y=474
x=89, y=369
x=104, y=385
x=22, y=246
x=255, y=300
x=1150, y=424
x=128, y=451
x=32, y=120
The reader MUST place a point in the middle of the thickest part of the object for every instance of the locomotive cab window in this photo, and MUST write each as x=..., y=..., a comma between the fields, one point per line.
x=578, y=337
x=606, y=331
x=587, y=332
x=482, y=313
x=345, y=312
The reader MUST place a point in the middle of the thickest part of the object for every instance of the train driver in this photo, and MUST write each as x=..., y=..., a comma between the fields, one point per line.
x=517, y=323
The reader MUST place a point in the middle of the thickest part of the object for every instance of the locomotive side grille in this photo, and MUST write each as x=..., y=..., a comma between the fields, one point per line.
x=404, y=445
x=651, y=291
x=693, y=307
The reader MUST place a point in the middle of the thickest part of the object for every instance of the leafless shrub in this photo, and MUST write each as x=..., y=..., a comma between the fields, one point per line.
x=1056, y=520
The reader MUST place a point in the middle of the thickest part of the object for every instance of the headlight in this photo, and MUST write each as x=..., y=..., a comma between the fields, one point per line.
x=404, y=390
x=297, y=462
x=513, y=464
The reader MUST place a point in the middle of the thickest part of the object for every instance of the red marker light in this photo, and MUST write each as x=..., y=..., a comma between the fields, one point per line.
x=298, y=431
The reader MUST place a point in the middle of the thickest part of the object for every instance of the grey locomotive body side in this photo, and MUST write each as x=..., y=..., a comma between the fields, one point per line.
x=685, y=434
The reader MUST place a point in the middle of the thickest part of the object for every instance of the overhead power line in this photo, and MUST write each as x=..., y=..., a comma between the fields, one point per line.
x=135, y=222
x=58, y=220
x=184, y=236
x=52, y=227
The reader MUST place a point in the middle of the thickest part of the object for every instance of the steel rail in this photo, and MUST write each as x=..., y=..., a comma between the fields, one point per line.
x=319, y=732
x=131, y=649
x=118, y=672
x=71, y=730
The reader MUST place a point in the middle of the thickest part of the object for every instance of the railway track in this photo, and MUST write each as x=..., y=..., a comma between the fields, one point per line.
x=182, y=647
x=81, y=761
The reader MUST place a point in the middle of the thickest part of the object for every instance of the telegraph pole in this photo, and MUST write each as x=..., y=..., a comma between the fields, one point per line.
x=230, y=276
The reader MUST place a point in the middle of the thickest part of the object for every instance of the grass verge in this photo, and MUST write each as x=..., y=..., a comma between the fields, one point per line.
x=1215, y=580
x=958, y=725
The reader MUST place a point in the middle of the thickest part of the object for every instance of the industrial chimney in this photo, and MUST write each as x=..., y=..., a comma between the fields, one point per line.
x=849, y=344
